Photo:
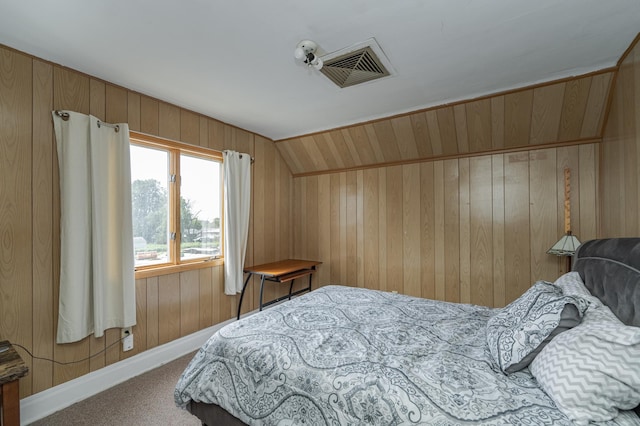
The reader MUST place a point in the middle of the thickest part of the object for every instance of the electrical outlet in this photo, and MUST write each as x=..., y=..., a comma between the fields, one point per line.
x=126, y=335
x=127, y=343
x=124, y=332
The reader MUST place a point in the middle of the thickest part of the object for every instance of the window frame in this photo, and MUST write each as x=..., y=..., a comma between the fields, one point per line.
x=175, y=148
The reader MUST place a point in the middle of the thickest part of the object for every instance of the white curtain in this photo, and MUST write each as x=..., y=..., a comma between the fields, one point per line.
x=97, y=285
x=237, y=202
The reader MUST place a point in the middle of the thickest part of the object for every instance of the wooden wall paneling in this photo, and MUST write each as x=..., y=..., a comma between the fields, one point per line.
x=358, y=143
x=498, y=228
x=464, y=241
x=588, y=207
x=16, y=221
x=217, y=285
x=546, y=112
x=575, y=101
x=42, y=207
x=374, y=142
x=630, y=93
x=152, y=313
x=497, y=122
x=311, y=224
x=351, y=229
x=595, y=109
x=447, y=127
x=451, y=230
x=288, y=153
x=543, y=177
x=427, y=230
x=517, y=124
x=439, y=226
x=304, y=156
x=481, y=230
x=334, y=228
x=517, y=225
x=341, y=151
x=117, y=103
x=410, y=224
x=403, y=133
x=462, y=135
x=189, y=127
x=314, y=154
x=284, y=204
x=260, y=242
x=98, y=108
x=70, y=92
x=371, y=228
x=168, y=121
x=133, y=111
x=205, y=298
x=478, y=115
x=382, y=229
x=149, y=116
x=189, y=302
x=204, y=131
x=323, y=277
x=421, y=134
x=360, y=238
x=395, y=190
x=618, y=133
x=434, y=132
x=325, y=143
x=343, y=229
x=168, y=309
x=215, y=134
x=387, y=141
x=139, y=330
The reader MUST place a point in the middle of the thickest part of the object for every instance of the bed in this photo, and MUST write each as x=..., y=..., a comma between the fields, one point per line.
x=564, y=353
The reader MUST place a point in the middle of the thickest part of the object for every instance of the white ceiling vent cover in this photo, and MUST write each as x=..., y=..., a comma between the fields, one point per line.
x=357, y=64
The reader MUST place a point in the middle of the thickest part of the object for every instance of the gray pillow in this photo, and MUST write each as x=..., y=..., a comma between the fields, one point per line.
x=523, y=328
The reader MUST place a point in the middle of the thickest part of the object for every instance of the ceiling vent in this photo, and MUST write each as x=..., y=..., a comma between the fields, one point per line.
x=355, y=65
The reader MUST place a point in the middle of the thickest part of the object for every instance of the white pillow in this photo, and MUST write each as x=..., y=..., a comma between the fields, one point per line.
x=592, y=370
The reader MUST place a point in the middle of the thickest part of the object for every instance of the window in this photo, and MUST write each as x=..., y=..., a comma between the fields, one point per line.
x=176, y=195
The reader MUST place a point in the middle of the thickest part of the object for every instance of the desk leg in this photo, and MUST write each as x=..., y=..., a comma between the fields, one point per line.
x=261, y=291
x=244, y=287
x=291, y=288
x=10, y=404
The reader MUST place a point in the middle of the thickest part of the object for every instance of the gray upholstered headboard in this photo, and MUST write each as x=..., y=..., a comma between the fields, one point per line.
x=610, y=268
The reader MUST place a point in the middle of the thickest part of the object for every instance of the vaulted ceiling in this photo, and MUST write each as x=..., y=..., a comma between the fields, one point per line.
x=234, y=61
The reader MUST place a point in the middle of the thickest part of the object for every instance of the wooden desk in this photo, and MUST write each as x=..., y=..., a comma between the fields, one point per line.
x=12, y=368
x=281, y=272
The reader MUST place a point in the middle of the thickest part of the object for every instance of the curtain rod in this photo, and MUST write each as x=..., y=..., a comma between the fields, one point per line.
x=65, y=117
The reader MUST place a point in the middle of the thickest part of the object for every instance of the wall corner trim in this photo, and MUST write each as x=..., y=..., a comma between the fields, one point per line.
x=49, y=401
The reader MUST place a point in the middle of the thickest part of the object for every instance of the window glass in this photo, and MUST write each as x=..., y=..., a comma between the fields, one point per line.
x=150, y=205
x=200, y=212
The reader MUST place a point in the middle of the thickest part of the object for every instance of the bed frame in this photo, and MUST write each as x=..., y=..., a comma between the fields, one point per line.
x=610, y=268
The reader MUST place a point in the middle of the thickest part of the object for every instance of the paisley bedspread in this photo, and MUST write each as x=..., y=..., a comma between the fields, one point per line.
x=350, y=356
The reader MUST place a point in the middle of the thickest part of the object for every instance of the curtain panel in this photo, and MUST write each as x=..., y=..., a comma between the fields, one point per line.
x=237, y=204
x=97, y=284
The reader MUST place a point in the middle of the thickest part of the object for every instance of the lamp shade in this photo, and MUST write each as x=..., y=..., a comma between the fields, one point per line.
x=566, y=246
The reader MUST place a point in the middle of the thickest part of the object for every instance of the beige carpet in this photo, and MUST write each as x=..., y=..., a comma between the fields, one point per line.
x=143, y=400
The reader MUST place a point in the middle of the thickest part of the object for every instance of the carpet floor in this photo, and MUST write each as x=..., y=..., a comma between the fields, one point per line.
x=143, y=400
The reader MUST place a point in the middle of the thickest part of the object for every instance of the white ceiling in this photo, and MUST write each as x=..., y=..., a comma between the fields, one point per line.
x=233, y=60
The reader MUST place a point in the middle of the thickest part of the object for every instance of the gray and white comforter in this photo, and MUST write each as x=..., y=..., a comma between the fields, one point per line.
x=350, y=356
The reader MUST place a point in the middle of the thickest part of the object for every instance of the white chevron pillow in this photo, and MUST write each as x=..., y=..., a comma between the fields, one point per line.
x=592, y=370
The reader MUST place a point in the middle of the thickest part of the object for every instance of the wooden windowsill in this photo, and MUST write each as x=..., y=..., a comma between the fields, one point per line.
x=173, y=269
